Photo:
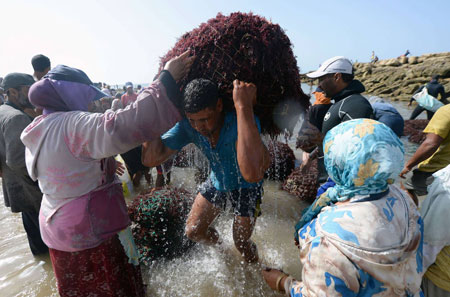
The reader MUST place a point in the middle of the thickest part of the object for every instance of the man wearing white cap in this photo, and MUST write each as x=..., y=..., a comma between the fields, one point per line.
x=336, y=79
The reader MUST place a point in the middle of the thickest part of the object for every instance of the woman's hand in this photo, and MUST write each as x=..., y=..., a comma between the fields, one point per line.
x=180, y=65
x=272, y=276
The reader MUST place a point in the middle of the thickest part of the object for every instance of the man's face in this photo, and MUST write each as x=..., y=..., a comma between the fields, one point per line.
x=206, y=121
x=129, y=90
x=20, y=96
x=328, y=84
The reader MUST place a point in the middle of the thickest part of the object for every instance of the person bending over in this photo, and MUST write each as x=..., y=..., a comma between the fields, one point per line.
x=238, y=159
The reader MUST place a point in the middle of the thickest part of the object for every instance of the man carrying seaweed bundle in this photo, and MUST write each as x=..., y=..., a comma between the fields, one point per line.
x=238, y=159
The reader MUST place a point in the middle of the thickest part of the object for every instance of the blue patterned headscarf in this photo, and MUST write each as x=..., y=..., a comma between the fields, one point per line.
x=362, y=157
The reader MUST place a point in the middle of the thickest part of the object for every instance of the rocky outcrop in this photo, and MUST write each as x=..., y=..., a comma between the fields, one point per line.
x=399, y=78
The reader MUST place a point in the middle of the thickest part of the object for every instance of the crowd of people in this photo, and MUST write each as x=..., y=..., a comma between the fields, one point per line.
x=362, y=236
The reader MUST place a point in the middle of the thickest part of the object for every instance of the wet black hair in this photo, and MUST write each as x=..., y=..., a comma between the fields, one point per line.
x=200, y=94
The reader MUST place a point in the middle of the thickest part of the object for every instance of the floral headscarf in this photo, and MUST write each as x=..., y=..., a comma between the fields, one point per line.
x=362, y=157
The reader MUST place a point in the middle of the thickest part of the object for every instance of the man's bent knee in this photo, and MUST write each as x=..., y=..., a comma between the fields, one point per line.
x=193, y=233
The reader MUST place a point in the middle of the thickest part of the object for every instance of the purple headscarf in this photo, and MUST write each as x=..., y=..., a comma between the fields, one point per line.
x=59, y=95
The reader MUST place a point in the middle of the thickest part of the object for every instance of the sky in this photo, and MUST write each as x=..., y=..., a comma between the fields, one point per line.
x=119, y=41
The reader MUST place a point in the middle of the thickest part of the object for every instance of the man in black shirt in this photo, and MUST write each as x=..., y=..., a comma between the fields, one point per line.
x=337, y=81
x=434, y=89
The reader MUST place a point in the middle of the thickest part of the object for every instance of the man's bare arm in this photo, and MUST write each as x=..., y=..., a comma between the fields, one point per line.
x=253, y=157
x=425, y=150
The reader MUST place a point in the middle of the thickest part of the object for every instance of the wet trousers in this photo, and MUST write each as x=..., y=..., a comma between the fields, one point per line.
x=418, y=110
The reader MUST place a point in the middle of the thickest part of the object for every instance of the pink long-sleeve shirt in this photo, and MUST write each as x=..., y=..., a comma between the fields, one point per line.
x=69, y=153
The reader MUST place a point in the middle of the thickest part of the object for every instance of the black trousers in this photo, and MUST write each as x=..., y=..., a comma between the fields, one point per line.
x=133, y=161
x=323, y=174
x=30, y=221
x=418, y=110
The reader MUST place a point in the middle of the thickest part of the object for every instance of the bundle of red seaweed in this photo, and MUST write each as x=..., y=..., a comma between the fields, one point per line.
x=282, y=161
x=414, y=130
x=158, y=218
x=249, y=48
x=303, y=183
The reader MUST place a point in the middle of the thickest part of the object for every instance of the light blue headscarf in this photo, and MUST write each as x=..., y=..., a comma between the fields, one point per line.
x=362, y=157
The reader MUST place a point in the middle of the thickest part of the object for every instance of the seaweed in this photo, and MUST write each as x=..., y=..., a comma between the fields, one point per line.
x=249, y=48
x=303, y=183
x=158, y=217
x=282, y=161
x=414, y=130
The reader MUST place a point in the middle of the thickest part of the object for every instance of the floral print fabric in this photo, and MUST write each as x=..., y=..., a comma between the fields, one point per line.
x=362, y=157
x=362, y=237
x=363, y=248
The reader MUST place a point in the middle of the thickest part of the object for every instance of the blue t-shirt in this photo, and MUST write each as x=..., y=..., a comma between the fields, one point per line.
x=225, y=173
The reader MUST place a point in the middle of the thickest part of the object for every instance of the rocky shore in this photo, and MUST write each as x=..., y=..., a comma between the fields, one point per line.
x=398, y=78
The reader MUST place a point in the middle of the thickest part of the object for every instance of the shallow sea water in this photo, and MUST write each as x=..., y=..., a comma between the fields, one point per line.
x=203, y=271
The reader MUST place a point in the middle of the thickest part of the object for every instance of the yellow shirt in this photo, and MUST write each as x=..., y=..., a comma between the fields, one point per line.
x=439, y=272
x=439, y=125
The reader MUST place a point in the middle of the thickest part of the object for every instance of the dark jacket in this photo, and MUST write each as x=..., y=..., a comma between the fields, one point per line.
x=316, y=113
x=349, y=104
x=19, y=191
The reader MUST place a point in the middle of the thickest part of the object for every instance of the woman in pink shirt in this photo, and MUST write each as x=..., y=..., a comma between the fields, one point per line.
x=70, y=152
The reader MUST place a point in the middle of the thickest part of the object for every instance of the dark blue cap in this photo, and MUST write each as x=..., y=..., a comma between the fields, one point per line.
x=15, y=79
x=66, y=73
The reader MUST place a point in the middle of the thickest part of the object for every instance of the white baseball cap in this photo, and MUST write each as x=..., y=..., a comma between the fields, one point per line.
x=333, y=65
